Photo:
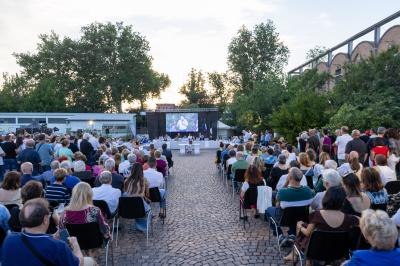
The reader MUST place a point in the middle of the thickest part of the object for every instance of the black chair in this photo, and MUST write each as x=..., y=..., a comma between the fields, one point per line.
x=393, y=187
x=289, y=218
x=237, y=178
x=10, y=206
x=382, y=207
x=268, y=169
x=3, y=235
x=89, y=236
x=327, y=246
x=155, y=196
x=103, y=206
x=133, y=208
x=86, y=176
x=250, y=198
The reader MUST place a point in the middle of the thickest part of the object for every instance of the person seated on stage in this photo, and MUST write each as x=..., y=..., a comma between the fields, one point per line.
x=162, y=165
x=156, y=179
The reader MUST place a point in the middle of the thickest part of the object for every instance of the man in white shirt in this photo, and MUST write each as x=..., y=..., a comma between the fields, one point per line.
x=106, y=192
x=341, y=143
x=156, y=179
x=284, y=180
x=232, y=158
x=385, y=172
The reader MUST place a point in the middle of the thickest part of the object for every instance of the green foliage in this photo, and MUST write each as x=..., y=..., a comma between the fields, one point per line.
x=221, y=91
x=370, y=90
x=257, y=55
x=13, y=93
x=316, y=51
x=305, y=107
x=195, y=91
x=109, y=64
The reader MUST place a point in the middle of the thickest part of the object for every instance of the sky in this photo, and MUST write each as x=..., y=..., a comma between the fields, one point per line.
x=190, y=33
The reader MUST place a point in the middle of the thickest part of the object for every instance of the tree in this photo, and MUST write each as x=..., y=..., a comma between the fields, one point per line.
x=12, y=93
x=194, y=90
x=304, y=106
x=317, y=51
x=109, y=64
x=221, y=91
x=256, y=55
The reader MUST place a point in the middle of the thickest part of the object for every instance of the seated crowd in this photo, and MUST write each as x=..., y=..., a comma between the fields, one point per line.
x=50, y=182
x=329, y=183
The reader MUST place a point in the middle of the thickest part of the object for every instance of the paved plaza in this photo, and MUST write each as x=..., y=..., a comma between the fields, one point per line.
x=202, y=225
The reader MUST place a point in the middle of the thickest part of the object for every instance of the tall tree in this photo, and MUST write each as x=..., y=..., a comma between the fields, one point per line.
x=221, y=92
x=109, y=65
x=256, y=55
x=194, y=90
x=317, y=51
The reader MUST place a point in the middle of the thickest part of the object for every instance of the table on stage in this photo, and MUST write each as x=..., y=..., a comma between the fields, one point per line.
x=185, y=148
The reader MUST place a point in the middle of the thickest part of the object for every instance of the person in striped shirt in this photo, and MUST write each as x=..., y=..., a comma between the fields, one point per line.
x=58, y=192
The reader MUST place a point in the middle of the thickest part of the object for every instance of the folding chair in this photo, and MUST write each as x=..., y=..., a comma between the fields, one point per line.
x=327, y=246
x=289, y=218
x=103, y=206
x=89, y=236
x=155, y=196
x=133, y=208
x=228, y=174
x=393, y=187
x=237, y=178
x=249, y=200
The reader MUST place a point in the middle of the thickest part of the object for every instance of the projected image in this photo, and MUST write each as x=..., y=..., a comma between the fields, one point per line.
x=182, y=122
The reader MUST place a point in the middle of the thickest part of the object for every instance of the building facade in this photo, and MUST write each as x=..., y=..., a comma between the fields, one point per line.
x=115, y=125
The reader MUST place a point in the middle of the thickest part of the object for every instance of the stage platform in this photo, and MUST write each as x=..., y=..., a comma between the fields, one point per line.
x=175, y=145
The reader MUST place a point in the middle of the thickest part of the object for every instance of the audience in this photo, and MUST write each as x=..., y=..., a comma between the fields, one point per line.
x=277, y=172
x=156, y=179
x=30, y=155
x=106, y=192
x=373, y=186
x=381, y=232
x=330, y=178
x=385, y=172
x=17, y=248
x=27, y=170
x=10, y=191
x=81, y=210
x=117, y=179
x=329, y=218
x=161, y=165
x=57, y=192
x=356, y=201
x=137, y=186
x=292, y=195
x=70, y=180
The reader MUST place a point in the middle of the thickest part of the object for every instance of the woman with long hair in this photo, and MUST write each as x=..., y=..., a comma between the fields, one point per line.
x=81, y=210
x=253, y=179
x=356, y=201
x=373, y=186
x=136, y=186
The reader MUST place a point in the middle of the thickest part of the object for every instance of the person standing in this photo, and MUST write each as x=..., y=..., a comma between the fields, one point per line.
x=29, y=154
x=340, y=143
x=46, y=153
x=356, y=144
x=313, y=141
x=10, y=158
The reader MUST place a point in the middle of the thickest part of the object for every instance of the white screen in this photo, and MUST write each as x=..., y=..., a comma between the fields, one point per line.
x=181, y=122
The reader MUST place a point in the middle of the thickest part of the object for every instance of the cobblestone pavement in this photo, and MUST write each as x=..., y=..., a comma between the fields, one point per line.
x=202, y=225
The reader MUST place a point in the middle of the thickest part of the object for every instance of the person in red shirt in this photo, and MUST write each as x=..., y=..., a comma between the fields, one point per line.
x=380, y=148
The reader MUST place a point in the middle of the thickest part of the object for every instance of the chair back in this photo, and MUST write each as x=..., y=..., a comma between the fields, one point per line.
x=88, y=235
x=103, y=206
x=328, y=245
x=239, y=175
x=393, y=187
x=10, y=206
x=250, y=197
x=155, y=195
x=292, y=215
x=3, y=235
x=131, y=207
x=86, y=176
x=229, y=171
x=382, y=207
